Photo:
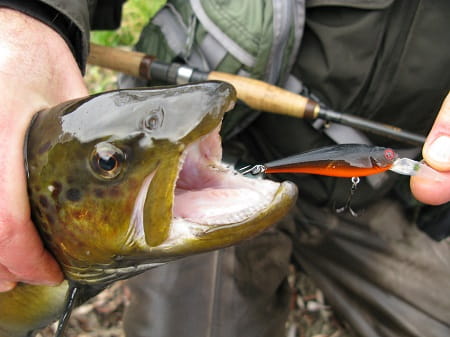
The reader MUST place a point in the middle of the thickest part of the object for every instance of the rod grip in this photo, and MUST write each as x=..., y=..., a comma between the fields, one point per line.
x=125, y=61
x=263, y=96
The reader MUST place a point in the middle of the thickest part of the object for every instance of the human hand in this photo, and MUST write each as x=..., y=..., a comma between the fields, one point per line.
x=436, y=153
x=37, y=70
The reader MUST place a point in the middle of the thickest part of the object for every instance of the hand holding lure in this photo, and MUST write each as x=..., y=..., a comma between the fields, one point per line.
x=346, y=161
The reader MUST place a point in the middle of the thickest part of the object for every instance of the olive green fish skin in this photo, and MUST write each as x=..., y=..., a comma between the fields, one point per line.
x=102, y=172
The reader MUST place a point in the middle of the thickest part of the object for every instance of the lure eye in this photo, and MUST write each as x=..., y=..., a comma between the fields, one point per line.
x=390, y=154
x=107, y=161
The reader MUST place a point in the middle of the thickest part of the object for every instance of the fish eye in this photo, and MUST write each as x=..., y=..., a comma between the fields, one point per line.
x=107, y=161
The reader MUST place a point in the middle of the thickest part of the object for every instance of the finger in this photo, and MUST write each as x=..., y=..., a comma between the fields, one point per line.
x=23, y=255
x=6, y=286
x=7, y=280
x=21, y=250
x=436, y=150
x=431, y=192
x=436, y=153
x=6, y=275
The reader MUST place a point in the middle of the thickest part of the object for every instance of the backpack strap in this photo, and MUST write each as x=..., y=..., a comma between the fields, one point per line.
x=229, y=44
x=213, y=50
x=287, y=15
x=176, y=34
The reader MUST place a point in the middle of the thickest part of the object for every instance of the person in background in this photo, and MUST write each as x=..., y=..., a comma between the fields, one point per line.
x=43, y=50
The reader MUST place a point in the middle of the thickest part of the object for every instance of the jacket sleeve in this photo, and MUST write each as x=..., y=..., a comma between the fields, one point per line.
x=73, y=19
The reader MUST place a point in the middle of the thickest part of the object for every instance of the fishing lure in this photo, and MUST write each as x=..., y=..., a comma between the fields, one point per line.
x=346, y=161
x=343, y=160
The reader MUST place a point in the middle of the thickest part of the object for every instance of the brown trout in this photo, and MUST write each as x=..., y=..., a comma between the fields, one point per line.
x=124, y=181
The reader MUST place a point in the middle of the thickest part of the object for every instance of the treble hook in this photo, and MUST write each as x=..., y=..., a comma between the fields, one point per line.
x=355, y=182
x=255, y=169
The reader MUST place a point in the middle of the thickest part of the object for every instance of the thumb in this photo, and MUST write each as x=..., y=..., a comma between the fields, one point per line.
x=436, y=153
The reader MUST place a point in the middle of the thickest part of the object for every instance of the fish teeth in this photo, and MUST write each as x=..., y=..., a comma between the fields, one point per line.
x=218, y=216
x=182, y=160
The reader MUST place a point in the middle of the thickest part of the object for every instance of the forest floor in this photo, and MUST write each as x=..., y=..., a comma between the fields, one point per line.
x=102, y=316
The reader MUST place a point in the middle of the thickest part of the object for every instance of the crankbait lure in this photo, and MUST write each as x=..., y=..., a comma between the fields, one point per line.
x=346, y=161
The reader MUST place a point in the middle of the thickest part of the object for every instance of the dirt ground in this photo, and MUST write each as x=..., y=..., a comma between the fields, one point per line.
x=310, y=315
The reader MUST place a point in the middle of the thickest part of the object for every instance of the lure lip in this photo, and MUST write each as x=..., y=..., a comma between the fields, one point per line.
x=410, y=167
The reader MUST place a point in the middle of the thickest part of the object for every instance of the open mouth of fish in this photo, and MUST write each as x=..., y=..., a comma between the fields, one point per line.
x=210, y=195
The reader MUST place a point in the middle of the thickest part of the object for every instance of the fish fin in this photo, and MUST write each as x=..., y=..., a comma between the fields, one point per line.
x=71, y=298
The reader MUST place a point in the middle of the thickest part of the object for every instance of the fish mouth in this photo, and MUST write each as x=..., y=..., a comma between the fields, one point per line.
x=215, y=206
x=211, y=193
x=189, y=201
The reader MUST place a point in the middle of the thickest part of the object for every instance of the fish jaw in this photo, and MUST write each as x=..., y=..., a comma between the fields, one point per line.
x=214, y=206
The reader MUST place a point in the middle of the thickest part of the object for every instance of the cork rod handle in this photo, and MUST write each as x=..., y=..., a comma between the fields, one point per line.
x=125, y=61
x=263, y=96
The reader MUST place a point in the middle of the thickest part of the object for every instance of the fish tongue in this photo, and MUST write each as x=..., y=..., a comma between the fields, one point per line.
x=213, y=206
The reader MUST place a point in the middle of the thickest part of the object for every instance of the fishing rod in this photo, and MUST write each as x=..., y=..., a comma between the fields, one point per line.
x=257, y=94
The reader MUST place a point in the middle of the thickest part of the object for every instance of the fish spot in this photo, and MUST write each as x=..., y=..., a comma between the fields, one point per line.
x=99, y=193
x=43, y=201
x=50, y=219
x=80, y=214
x=55, y=188
x=115, y=192
x=133, y=184
x=73, y=194
x=71, y=180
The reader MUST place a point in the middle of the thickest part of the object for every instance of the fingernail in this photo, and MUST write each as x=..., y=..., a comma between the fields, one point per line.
x=439, y=150
x=6, y=286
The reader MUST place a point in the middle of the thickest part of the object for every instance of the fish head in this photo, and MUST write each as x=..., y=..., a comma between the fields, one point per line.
x=126, y=180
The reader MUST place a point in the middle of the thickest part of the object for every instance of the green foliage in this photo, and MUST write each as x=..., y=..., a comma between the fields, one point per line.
x=136, y=13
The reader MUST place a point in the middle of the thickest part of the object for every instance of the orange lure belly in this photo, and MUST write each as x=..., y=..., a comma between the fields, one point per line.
x=343, y=160
x=330, y=169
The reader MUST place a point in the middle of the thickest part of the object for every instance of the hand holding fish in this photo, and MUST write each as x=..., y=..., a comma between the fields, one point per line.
x=37, y=70
x=436, y=153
